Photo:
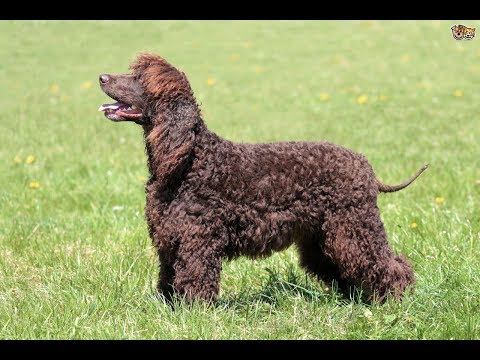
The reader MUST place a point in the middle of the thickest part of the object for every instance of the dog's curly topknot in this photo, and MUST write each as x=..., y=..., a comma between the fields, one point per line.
x=161, y=80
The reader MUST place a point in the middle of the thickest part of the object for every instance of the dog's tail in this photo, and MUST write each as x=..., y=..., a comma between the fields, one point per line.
x=392, y=188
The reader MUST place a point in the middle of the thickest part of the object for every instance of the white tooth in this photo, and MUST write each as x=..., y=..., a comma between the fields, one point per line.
x=133, y=107
x=108, y=106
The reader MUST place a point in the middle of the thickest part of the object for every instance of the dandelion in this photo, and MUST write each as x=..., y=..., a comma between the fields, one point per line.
x=54, y=88
x=17, y=159
x=259, y=69
x=247, y=44
x=382, y=97
x=87, y=85
x=458, y=93
x=141, y=178
x=362, y=99
x=211, y=81
x=324, y=96
x=340, y=60
x=439, y=200
x=413, y=225
x=405, y=58
x=30, y=159
x=367, y=24
x=34, y=185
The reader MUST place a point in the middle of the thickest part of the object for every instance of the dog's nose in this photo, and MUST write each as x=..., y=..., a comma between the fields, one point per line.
x=104, y=78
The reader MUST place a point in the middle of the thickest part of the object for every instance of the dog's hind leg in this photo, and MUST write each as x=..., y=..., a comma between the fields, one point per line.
x=356, y=242
x=167, y=274
x=313, y=259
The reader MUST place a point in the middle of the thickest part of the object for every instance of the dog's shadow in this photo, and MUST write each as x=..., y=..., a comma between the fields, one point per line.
x=282, y=286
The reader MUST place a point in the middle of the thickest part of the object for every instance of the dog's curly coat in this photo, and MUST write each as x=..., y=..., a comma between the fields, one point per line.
x=209, y=199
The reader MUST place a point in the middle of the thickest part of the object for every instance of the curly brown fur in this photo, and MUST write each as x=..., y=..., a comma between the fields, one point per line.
x=209, y=199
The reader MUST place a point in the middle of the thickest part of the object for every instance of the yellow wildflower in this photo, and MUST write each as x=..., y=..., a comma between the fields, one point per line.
x=54, y=88
x=458, y=93
x=362, y=99
x=34, y=185
x=414, y=225
x=405, y=58
x=324, y=96
x=87, y=85
x=211, y=81
x=141, y=178
x=383, y=97
x=30, y=159
x=259, y=69
x=439, y=200
x=367, y=23
x=17, y=159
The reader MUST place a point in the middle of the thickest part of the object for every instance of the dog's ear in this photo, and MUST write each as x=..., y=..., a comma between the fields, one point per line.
x=171, y=150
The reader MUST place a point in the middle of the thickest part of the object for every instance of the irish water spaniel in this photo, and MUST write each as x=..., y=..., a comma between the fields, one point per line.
x=210, y=199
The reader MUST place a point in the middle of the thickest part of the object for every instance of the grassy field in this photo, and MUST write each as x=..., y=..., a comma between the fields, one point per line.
x=76, y=261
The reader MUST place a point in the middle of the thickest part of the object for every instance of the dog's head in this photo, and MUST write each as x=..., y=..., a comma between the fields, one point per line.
x=154, y=87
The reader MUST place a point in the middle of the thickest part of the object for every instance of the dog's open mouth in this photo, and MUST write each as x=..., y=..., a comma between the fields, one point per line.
x=120, y=111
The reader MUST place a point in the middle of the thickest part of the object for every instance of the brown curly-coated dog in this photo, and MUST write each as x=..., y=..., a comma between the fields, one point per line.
x=209, y=199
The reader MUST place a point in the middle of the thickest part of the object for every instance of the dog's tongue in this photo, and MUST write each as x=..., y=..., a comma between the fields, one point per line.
x=111, y=106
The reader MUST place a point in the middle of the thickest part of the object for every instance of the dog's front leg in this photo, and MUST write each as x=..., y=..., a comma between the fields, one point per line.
x=198, y=264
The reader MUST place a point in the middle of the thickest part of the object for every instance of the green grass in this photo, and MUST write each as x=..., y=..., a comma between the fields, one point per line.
x=75, y=258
